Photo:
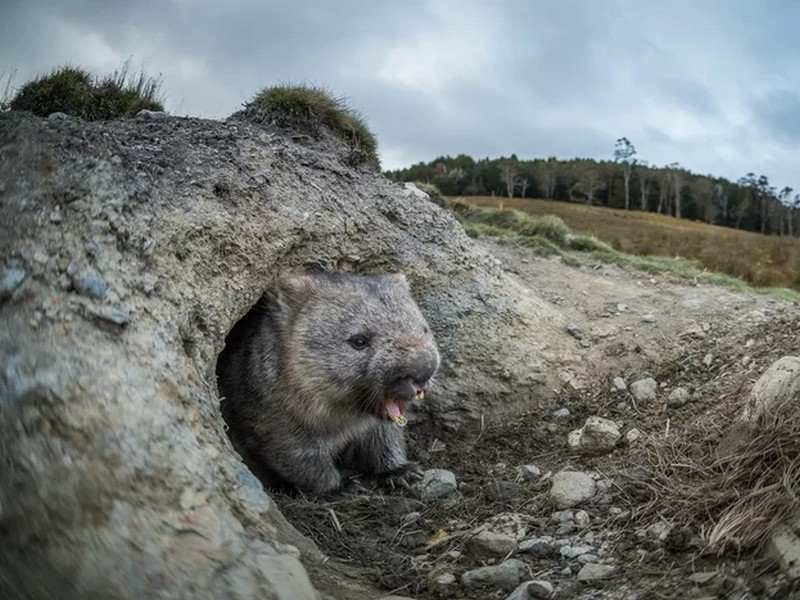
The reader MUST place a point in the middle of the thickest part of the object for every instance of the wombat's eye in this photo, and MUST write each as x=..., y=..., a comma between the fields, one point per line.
x=359, y=342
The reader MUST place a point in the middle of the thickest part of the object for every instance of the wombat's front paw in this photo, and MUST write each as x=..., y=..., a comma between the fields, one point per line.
x=403, y=476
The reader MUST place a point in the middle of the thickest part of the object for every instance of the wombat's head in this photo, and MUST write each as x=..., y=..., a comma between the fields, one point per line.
x=358, y=343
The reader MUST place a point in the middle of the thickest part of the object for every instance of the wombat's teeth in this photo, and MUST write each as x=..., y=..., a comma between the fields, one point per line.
x=400, y=420
x=420, y=395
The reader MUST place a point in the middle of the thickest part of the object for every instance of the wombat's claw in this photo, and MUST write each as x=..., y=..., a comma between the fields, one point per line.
x=403, y=476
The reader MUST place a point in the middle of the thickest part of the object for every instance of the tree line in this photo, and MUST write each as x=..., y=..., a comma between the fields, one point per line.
x=751, y=203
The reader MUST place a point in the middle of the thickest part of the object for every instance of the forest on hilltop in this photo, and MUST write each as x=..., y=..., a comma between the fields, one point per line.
x=751, y=203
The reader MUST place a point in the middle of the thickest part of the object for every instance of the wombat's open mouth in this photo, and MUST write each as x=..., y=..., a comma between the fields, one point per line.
x=395, y=403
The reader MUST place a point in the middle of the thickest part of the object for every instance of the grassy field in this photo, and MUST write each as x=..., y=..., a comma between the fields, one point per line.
x=761, y=260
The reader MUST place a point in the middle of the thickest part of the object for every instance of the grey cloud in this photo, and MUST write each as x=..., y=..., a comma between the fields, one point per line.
x=779, y=114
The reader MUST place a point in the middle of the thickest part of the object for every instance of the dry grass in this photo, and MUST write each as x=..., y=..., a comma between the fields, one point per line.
x=735, y=502
x=767, y=261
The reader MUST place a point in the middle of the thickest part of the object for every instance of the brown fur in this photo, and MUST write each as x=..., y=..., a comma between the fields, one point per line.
x=305, y=402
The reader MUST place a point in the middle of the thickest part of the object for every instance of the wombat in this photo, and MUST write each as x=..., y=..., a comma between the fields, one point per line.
x=316, y=377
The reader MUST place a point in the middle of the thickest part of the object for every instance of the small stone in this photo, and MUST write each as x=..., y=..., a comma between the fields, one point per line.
x=632, y=436
x=528, y=472
x=437, y=483
x=708, y=359
x=575, y=551
x=561, y=414
x=111, y=314
x=570, y=488
x=587, y=558
x=649, y=318
x=644, y=390
x=151, y=114
x=89, y=283
x=40, y=256
x=540, y=588
x=678, y=397
x=622, y=307
x=619, y=385
x=148, y=283
x=562, y=516
x=537, y=547
x=12, y=277
x=598, y=436
x=746, y=360
x=57, y=116
x=439, y=581
x=56, y=216
x=566, y=572
x=594, y=571
x=582, y=519
x=575, y=331
x=784, y=546
x=574, y=440
x=702, y=577
x=490, y=544
x=503, y=576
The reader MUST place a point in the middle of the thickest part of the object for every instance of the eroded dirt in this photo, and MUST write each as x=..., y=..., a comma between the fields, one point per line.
x=632, y=325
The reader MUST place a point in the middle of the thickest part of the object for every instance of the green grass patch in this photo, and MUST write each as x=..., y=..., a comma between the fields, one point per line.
x=309, y=107
x=77, y=93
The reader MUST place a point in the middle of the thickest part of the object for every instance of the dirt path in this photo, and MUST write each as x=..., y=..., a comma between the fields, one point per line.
x=624, y=323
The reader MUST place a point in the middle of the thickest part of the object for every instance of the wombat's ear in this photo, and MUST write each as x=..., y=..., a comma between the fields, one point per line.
x=291, y=293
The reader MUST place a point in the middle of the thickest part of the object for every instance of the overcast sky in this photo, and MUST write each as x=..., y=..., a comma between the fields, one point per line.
x=714, y=85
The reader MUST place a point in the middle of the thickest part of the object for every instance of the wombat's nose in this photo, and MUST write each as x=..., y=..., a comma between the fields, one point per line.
x=422, y=368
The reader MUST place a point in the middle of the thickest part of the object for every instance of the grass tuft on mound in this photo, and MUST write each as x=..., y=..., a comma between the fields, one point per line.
x=309, y=107
x=77, y=93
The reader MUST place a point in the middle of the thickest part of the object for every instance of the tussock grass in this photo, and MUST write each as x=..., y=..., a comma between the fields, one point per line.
x=735, y=502
x=760, y=260
x=550, y=235
x=76, y=92
x=309, y=107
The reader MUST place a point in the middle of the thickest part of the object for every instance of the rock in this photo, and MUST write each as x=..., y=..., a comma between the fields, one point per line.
x=561, y=414
x=708, y=359
x=57, y=116
x=88, y=282
x=490, y=544
x=644, y=390
x=503, y=576
x=622, y=307
x=678, y=397
x=772, y=393
x=587, y=558
x=618, y=384
x=527, y=590
x=151, y=114
x=574, y=551
x=539, y=588
x=575, y=331
x=632, y=436
x=512, y=525
x=594, y=571
x=784, y=546
x=649, y=318
x=562, y=516
x=597, y=436
x=582, y=519
x=659, y=531
x=437, y=483
x=528, y=472
x=570, y=488
x=537, y=547
x=13, y=275
x=440, y=581
x=109, y=314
